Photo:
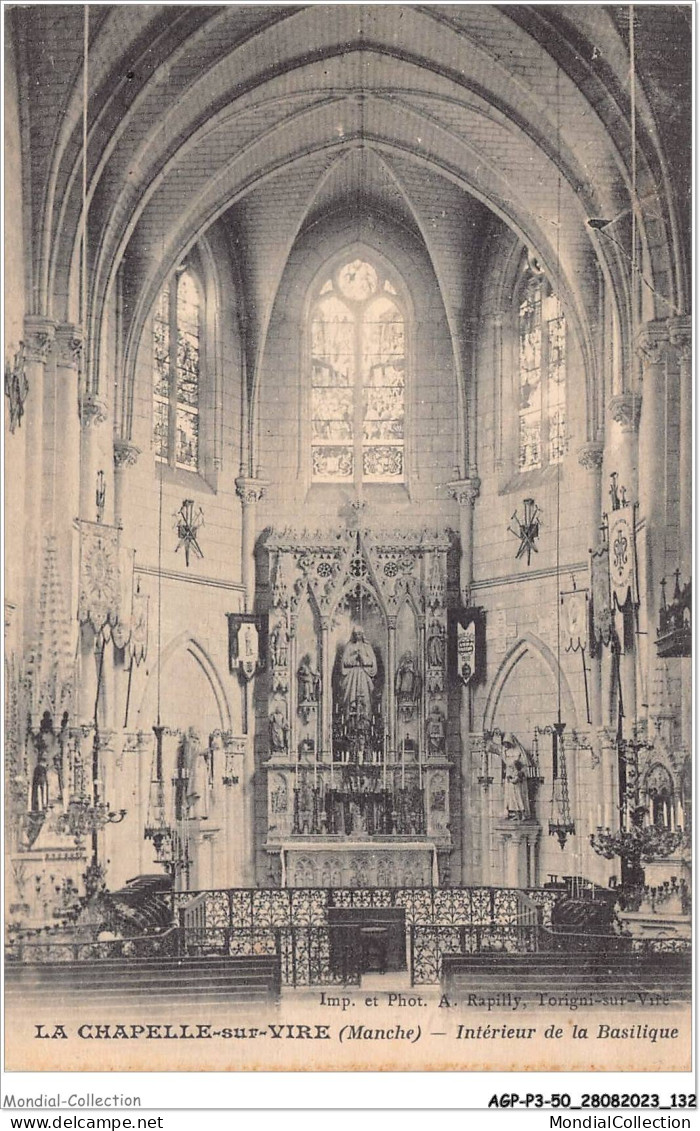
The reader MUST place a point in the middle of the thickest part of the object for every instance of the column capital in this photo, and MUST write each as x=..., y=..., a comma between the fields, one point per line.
x=625, y=409
x=69, y=345
x=652, y=342
x=681, y=335
x=125, y=453
x=465, y=491
x=39, y=334
x=250, y=490
x=590, y=455
x=93, y=409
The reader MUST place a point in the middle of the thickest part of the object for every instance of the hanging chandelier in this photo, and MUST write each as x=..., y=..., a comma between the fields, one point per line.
x=169, y=837
x=561, y=824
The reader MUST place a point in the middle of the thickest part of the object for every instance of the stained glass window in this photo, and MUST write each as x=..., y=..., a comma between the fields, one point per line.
x=542, y=377
x=358, y=373
x=176, y=373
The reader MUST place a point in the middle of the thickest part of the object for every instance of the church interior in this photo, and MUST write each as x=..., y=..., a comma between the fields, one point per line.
x=348, y=470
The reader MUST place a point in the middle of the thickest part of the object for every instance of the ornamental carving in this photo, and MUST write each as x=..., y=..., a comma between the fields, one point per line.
x=93, y=410
x=250, y=490
x=651, y=351
x=99, y=593
x=38, y=339
x=625, y=409
x=125, y=454
x=681, y=336
x=590, y=455
x=652, y=343
x=69, y=345
x=465, y=491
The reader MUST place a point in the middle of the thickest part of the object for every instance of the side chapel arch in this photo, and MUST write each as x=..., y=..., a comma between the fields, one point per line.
x=528, y=644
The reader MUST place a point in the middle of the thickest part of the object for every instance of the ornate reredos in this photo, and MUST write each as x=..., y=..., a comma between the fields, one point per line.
x=397, y=565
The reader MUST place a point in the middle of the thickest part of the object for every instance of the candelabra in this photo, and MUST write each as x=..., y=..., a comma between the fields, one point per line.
x=83, y=817
x=637, y=845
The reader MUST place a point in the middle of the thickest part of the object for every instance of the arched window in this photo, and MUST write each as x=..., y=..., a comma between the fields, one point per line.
x=176, y=372
x=542, y=376
x=358, y=377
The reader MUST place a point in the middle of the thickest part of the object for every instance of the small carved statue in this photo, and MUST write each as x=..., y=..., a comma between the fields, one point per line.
x=309, y=681
x=279, y=646
x=515, y=794
x=435, y=731
x=408, y=684
x=436, y=645
x=278, y=730
x=216, y=754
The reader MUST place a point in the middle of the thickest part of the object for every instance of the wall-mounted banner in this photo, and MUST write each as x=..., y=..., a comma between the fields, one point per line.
x=247, y=643
x=99, y=596
x=622, y=556
x=600, y=597
x=574, y=607
x=468, y=645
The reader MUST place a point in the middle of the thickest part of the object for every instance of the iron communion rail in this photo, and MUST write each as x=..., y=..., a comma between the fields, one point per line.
x=314, y=951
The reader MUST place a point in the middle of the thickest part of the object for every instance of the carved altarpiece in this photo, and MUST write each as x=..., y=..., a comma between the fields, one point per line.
x=357, y=699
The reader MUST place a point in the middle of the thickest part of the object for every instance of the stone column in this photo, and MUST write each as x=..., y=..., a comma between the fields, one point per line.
x=623, y=458
x=590, y=456
x=390, y=676
x=250, y=491
x=466, y=492
x=67, y=408
x=93, y=413
x=652, y=345
x=476, y=841
x=326, y=691
x=38, y=341
x=680, y=330
x=126, y=455
x=496, y=323
x=240, y=851
x=66, y=470
x=518, y=845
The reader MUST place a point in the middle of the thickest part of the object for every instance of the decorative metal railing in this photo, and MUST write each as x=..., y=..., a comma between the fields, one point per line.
x=137, y=946
x=256, y=908
x=429, y=944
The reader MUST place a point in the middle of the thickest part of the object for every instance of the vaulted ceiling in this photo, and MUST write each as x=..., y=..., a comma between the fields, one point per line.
x=441, y=118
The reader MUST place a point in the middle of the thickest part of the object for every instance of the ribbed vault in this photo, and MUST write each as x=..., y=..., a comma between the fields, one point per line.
x=271, y=117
